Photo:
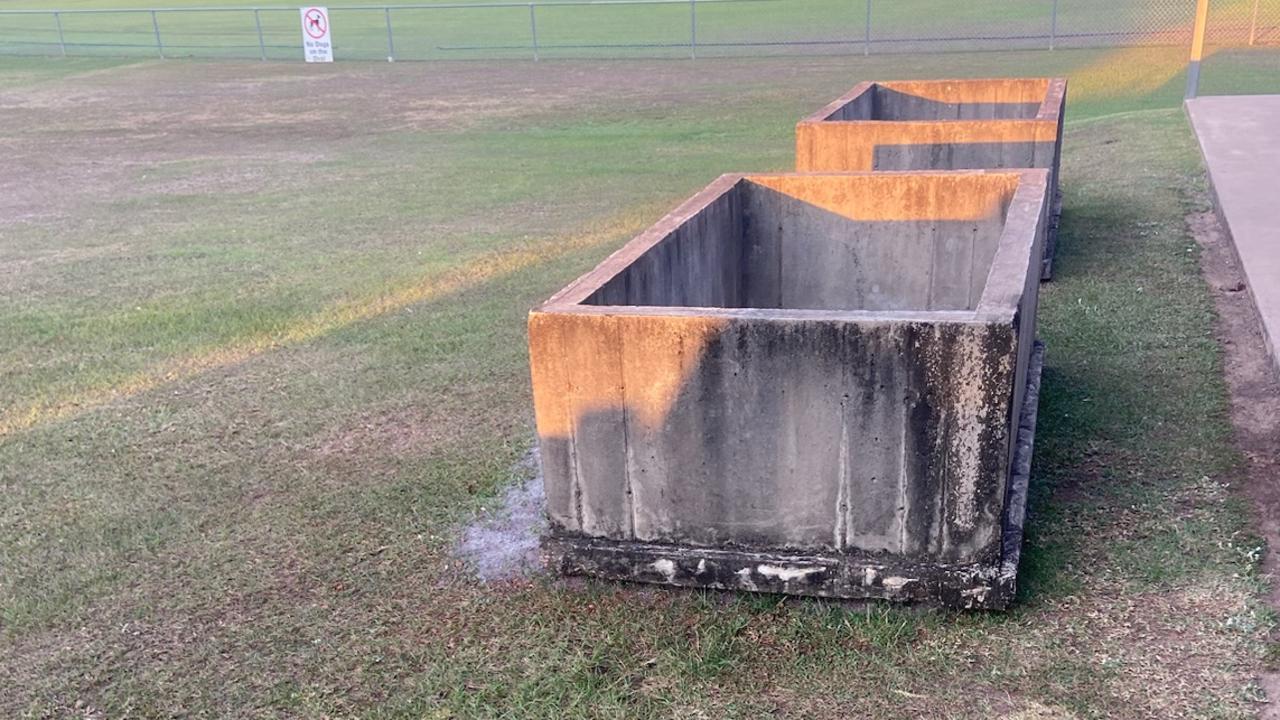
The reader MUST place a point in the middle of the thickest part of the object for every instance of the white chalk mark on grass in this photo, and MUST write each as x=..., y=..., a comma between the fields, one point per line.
x=504, y=545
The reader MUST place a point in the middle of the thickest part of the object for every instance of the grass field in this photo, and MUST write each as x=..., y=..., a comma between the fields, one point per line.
x=262, y=357
x=612, y=30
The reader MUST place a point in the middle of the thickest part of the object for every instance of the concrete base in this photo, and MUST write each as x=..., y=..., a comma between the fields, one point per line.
x=986, y=586
x=1240, y=140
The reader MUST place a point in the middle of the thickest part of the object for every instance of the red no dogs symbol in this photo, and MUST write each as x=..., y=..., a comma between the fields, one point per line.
x=314, y=23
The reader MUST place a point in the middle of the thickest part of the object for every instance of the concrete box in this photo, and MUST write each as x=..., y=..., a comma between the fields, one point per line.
x=941, y=125
x=809, y=384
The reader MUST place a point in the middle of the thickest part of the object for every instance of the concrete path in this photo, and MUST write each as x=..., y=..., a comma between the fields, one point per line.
x=1240, y=139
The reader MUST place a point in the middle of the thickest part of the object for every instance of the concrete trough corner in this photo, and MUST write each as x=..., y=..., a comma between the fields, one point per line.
x=815, y=384
x=942, y=125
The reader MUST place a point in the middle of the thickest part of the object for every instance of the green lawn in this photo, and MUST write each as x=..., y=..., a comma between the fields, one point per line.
x=462, y=32
x=261, y=358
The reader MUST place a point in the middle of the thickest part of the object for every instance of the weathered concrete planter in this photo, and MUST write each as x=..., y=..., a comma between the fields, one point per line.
x=941, y=125
x=808, y=384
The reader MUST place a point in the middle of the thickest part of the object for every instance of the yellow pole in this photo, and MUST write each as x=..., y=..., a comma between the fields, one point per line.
x=1197, y=48
x=1253, y=24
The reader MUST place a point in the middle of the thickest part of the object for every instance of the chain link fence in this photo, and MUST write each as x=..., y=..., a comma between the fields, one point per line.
x=637, y=28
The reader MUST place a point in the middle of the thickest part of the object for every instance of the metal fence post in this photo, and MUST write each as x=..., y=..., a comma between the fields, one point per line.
x=1253, y=24
x=391, y=43
x=62, y=43
x=533, y=29
x=155, y=25
x=262, y=46
x=693, y=29
x=1053, y=26
x=866, y=38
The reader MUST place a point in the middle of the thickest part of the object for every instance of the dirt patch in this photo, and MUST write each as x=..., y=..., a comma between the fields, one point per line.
x=85, y=139
x=1255, y=401
x=504, y=543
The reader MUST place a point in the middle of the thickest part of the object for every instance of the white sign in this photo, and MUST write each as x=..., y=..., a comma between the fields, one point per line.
x=316, y=44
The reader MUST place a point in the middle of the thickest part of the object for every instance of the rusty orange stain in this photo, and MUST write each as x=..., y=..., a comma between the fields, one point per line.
x=992, y=90
x=824, y=142
x=962, y=196
x=586, y=364
x=841, y=146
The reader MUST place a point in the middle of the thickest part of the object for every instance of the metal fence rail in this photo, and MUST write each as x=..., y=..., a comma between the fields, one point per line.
x=633, y=28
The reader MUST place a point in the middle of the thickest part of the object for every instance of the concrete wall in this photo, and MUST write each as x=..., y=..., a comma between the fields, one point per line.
x=1001, y=98
x=1005, y=99
x=700, y=263
x=847, y=431
x=1008, y=98
x=1030, y=211
x=887, y=243
x=940, y=125
x=805, y=434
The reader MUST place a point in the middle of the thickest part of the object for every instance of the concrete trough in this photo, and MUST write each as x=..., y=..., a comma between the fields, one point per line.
x=817, y=384
x=941, y=125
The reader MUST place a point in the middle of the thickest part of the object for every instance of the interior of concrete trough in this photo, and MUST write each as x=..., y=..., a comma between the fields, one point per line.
x=833, y=242
x=946, y=100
